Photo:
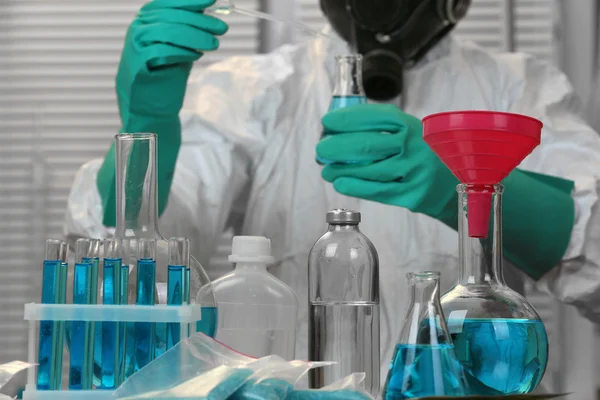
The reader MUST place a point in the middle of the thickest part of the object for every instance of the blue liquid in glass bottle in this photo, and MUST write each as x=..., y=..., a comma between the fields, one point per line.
x=500, y=356
x=419, y=370
x=348, y=90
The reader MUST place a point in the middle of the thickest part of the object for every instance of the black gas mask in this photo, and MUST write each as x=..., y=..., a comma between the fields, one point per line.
x=392, y=35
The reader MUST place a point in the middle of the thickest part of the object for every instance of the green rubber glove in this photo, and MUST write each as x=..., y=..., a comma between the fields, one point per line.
x=163, y=41
x=391, y=164
x=538, y=214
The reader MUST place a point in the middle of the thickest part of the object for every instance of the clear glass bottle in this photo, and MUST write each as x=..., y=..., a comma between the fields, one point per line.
x=498, y=336
x=424, y=363
x=348, y=89
x=343, y=321
x=137, y=218
x=258, y=313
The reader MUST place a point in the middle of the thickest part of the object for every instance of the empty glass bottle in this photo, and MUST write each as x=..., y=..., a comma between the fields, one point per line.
x=343, y=322
x=499, y=338
x=348, y=89
x=424, y=362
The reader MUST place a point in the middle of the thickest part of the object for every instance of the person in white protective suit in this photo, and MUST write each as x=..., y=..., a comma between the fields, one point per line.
x=240, y=150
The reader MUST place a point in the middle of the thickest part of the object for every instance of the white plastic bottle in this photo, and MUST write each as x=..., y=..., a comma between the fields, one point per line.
x=257, y=312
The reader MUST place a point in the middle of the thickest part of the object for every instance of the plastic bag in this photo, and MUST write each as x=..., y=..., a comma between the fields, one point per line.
x=349, y=388
x=202, y=368
x=13, y=377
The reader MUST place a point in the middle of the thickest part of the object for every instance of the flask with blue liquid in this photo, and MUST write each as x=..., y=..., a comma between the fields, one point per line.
x=499, y=338
x=424, y=362
x=348, y=89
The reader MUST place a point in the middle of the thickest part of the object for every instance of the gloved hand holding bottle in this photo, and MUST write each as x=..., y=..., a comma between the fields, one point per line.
x=378, y=154
x=162, y=43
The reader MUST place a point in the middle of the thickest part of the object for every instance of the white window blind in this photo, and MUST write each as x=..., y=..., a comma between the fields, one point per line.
x=58, y=60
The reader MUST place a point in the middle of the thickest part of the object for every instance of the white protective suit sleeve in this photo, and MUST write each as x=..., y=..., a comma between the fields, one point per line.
x=570, y=150
x=223, y=138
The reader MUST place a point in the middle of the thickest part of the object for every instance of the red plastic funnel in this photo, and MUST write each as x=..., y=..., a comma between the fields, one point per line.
x=481, y=148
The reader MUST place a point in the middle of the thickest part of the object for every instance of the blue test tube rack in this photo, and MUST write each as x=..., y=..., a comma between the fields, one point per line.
x=185, y=315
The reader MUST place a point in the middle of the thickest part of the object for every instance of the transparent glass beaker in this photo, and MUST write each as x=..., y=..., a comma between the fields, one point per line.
x=499, y=338
x=424, y=362
x=137, y=218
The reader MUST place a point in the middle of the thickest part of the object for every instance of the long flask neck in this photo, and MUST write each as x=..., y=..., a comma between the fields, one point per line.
x=349, y=77
x=137, y=211
x=480, y=259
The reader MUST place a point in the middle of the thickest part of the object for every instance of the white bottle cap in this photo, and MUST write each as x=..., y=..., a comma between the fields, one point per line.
x=251, y=249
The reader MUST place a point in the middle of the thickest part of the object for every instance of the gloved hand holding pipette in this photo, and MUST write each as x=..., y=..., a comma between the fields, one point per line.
x=162, y=43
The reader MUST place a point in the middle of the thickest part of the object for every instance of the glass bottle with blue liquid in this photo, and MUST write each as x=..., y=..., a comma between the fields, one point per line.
x=424, y=362
x=348, y=89
x=499, y=338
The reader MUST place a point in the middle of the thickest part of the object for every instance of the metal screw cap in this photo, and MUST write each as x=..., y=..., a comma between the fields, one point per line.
x=343, y=217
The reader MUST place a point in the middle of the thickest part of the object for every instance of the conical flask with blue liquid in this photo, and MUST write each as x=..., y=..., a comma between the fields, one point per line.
x=424, y=362
x=348, y=89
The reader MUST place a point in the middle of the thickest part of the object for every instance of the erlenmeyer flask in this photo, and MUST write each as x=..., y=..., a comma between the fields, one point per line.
x=498, y=336
x=137, y=217
x=348, y=89
x=424, y=363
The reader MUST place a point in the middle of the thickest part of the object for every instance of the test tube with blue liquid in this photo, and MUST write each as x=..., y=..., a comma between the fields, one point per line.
x=111, y=292
x=145, y=332
x=54, y=291
x=85, y=291
x=348, y=91
x=177, y=283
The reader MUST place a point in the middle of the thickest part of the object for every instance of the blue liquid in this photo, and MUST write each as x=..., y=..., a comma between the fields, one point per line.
x=341, y=102
x=82, y=333
x=423, y=370
x=208, y=324
x=175, y=296
x=145, y=332
x=501, y=356
x=110, y=330
x=126, y=340
x=50, y=350
x=186, y=286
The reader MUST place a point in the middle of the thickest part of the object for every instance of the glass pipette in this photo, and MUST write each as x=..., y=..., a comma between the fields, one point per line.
x=54, y=291
x=146, y=280
x=226, y=7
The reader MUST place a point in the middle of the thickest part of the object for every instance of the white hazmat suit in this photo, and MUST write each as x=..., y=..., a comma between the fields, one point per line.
x=250, y=126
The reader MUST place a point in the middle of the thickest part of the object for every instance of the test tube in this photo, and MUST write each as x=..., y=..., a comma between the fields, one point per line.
x=177, y=285
x=111, y=339
x=85, y=288
x=145, y=296
x=54, y=291
x=127, y=329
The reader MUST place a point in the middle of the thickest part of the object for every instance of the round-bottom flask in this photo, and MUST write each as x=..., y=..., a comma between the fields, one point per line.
x=498, y=336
